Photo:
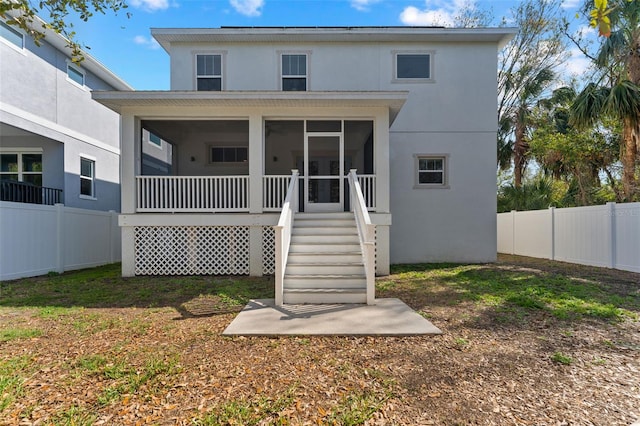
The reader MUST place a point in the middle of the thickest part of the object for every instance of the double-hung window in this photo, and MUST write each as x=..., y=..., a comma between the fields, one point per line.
x=413, y=66
x=209, y=72
x=87, y=177
x=11, y=35
x=294, y=72
x=431, y=171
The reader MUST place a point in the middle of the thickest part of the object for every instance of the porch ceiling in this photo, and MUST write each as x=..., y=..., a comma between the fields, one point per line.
x=117, y=100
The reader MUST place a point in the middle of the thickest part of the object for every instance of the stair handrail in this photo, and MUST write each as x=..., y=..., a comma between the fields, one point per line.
x=366, y=233
x=283, y=234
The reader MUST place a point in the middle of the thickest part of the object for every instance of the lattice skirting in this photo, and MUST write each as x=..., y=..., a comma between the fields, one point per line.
x=198, y=250
x=268, y=250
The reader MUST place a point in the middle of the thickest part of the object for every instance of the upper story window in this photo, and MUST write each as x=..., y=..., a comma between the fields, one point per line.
x=410, y=66
x=12, y=35
x=21, y=167
x=209, y=72
x=294, y=72
x=155, y=140
x=75, y=74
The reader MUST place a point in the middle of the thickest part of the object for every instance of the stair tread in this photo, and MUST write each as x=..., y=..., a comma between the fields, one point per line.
x=325, y=276
x=326, y=253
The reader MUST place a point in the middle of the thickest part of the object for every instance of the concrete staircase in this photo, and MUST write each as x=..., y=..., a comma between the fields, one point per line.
x=325, y=261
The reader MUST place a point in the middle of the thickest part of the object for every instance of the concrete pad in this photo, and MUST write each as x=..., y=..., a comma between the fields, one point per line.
x=387, y=317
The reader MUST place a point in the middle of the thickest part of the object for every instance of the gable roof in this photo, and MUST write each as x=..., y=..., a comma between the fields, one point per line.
x=166, y=36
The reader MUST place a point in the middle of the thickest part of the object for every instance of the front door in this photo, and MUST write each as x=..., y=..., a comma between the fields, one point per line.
x=323, y=172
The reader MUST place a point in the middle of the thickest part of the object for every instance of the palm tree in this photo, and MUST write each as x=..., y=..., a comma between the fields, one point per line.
x=619, y=58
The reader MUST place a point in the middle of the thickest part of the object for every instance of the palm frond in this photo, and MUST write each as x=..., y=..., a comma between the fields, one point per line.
x=590, y=105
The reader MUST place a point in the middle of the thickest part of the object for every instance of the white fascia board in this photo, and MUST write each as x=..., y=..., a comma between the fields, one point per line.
x=27, y=121
x=166, y=36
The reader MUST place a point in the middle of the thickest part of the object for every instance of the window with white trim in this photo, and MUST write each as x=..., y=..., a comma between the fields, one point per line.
x=155, y=140
x=413, y=66
x=12, y=35
x=209, y=73
x=21, y=167
x=294, y=72
x=75, y=74
x=431, y=171
x=229, y=154
x=87, y=177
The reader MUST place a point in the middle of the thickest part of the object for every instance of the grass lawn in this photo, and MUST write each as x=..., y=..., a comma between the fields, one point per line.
x=525, y=341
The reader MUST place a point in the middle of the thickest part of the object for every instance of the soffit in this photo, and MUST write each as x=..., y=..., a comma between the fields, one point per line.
x=117, y=101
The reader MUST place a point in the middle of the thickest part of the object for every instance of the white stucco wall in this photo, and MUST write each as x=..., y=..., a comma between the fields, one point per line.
x=37, y=97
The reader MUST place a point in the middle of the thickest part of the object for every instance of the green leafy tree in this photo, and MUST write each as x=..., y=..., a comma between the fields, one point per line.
x=616, y=93
x=535, y=194
x=25, y=15
x=575, y=156
x=526, y=70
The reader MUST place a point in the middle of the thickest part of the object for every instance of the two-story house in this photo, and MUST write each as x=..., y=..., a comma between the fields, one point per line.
x=57, y=145
x=319, y=154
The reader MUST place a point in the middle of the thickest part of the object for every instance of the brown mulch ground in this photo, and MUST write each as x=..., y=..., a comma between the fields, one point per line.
x=478, y=372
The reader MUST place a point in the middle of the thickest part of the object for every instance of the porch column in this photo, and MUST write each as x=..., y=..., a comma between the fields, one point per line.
x=381, y=155
x=256, y=161
x=130, y=166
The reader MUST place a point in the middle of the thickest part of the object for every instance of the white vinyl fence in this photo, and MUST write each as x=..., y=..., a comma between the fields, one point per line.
x=37, y=239
x=607, y=236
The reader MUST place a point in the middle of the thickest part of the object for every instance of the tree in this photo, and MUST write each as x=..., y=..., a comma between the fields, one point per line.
x=24, y=15
x=575, y=156
x=616, y=94
x=526, y=70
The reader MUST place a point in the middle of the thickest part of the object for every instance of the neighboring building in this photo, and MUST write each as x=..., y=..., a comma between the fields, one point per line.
x=57, y=145
x=413, y=110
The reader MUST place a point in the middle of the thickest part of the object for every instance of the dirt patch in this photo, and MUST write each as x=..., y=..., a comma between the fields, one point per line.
x=136, y=365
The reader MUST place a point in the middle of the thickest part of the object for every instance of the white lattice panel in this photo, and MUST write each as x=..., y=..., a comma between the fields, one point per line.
x=192, y=250
x=268, y=250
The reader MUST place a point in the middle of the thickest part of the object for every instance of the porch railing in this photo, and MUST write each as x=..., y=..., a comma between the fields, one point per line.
x=170, y=194
x=283, y=234
x=366, y=233
x=21, y=192
x=368, y=187
x=274, y=190
x=192, y=193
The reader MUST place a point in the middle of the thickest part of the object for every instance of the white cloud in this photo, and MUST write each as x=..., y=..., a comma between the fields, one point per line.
x=151, y=5
x=571, y=4
x=248, y=7
x=577, y=64
x=435, y=13
x=148, y=42
x=363, y=5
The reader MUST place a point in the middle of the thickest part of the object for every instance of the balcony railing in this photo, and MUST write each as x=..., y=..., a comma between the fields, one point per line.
x=171, y=194
x=21, y=192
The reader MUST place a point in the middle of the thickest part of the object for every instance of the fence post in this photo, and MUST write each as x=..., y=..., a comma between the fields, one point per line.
x=612, y=234
x=552, y=218
x=113, y=224
x=60, y=237
x=513, y=232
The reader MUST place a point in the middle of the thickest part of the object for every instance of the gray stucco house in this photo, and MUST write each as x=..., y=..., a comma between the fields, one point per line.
x=319, y=154
x=57, y=145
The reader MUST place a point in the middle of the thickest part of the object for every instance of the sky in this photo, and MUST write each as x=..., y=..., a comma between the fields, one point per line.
x=124, y=45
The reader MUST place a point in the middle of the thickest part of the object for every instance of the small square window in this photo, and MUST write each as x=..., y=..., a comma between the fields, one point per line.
x=209, y=73
x=155, y=140
x=87, y=177
x=12, y=35
x=413, y=66
x=431, y=171
x=75, y=74
x=294, y=72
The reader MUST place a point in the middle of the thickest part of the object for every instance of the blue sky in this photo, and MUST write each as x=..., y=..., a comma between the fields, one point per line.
x=125, y=46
